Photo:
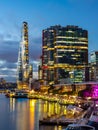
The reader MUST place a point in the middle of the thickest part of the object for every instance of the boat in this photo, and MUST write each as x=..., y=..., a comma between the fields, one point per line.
x=79, y=127
x=82, y=123
x=93, y=120
x=20, y=94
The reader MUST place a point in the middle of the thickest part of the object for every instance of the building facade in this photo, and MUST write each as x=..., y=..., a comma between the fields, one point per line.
x=64, y=54
x=94, y=66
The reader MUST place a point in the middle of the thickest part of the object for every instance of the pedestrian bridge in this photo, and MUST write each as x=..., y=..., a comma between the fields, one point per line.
x=61, y=88
x=74, y=87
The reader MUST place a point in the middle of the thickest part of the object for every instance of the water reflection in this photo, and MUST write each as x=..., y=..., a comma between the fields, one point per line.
x=51, y=108
x=50, y=128
x=31, y=111
x=12, y=104
x=24, y=114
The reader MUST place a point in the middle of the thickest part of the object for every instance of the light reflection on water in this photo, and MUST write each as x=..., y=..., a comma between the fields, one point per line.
x=24, y=114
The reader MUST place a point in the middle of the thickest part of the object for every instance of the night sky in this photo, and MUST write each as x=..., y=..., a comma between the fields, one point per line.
x=40, y=14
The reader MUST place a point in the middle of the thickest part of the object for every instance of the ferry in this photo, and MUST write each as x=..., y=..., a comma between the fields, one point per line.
x=20, y=94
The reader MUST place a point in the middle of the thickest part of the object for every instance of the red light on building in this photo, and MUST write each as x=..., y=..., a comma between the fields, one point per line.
x=45, y=67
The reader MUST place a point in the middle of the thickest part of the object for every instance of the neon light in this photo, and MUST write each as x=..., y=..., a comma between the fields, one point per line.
x=93, y=92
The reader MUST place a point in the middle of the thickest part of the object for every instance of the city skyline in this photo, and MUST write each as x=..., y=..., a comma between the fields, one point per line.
x=40, y=15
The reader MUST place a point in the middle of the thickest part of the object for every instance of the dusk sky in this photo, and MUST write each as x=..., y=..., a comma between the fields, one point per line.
x=40, y=14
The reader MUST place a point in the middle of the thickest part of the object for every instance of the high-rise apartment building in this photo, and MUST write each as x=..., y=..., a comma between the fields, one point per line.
x=64, y=53
x=23, y=59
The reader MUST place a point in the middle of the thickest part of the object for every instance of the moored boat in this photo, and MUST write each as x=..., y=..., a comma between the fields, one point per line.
x=79, y=127
x=93, y=120
x=20, y=94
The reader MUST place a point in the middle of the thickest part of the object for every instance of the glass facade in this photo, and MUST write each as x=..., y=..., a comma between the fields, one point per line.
x=24, y=71
x=94, y=66
x=64, y=51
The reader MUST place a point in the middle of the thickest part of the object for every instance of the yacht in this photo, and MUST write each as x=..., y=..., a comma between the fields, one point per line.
x=79, y=127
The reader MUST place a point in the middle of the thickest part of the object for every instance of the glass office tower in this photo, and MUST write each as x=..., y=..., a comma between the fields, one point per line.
x=23, y=59
x=94, y=66
x=64, y=54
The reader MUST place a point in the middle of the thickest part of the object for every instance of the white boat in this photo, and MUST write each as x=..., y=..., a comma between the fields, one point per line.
x=79, y=127
x=20, y=94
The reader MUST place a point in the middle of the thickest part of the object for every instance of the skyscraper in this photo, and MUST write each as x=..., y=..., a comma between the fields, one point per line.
x=23, y=59
x=64, y=53
x=94, y=66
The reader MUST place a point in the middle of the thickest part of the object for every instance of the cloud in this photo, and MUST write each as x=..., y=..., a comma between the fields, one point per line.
x=9, y=56
x=8, y=69
x=9, y=51
x=10, y=37
x=35, y=48
x=8, y=74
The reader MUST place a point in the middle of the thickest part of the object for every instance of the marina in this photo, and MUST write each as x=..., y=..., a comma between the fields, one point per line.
x=58, y=114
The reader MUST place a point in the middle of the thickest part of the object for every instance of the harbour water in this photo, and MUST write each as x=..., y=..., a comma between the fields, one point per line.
x=24, y=114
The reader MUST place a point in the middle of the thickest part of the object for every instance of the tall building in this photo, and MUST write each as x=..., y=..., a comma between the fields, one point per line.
x=64, y=54
x=94, y=66
x=23, y=59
